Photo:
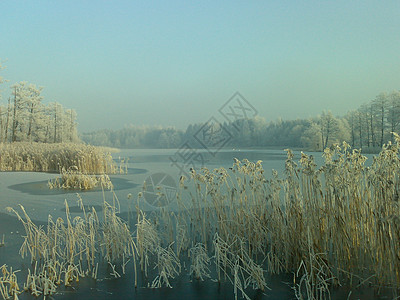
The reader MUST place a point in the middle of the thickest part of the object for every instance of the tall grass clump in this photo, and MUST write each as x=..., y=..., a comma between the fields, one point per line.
x=200, y=262
x=8, y=283
x=76, y=180
x=68, y=249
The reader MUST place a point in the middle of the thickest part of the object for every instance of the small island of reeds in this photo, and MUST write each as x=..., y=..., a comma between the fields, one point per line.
x=81, y=166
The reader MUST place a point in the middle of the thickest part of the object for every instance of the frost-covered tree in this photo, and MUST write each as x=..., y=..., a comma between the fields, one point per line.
x=71, y=132
x=24, y=117
x=19, y=116
x=55, y=122
x=26, y=112
x=311, y=138
x=33, y=106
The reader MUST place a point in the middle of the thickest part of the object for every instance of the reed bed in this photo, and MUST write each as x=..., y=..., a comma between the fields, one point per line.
x=82, y=167
x=330, y=226
x=335, y=225
x=44, y=157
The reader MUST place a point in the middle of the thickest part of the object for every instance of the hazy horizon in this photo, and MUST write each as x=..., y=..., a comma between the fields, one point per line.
x=174, y=63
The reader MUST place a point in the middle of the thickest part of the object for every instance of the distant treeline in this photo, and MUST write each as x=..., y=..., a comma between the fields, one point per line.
x=368, y=127
x=255, y=132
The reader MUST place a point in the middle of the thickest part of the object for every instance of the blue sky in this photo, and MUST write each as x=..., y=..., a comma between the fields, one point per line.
x=178, y=62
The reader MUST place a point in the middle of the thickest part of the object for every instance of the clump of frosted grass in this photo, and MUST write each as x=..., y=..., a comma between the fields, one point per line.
x=148, y=240
x=118, y=243
x=200, y=262
x=76, y=180
x=168, y=266
x=234, y=263
x=149, y=247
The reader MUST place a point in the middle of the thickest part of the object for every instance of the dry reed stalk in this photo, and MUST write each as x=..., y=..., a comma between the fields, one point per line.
x=8, y=283
x=182, y=238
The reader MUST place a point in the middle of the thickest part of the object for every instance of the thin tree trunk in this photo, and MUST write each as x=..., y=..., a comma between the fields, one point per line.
x=30, y=122
x=368, y=140
x=8, y=120
x=14, y=128
x=372, y=128
x=352, y=130
x=47, y=134
x=360, y=121
x=71, y=126
x=328, y=129
x=382, y=123
x=55, y=123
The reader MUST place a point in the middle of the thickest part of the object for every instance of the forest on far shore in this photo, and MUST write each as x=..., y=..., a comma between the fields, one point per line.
x=25, y=118
x=367, y=128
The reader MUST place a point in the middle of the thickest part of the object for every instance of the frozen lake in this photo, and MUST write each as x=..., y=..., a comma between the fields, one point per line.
x=30, y=189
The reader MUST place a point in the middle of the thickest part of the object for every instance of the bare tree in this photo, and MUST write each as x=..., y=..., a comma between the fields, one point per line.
x=380, y=105
x=363, y=125
x=351, y=118
x=394, y=112
x=15, y=122
x=372, y=124
x=55, y=122
x=328, y=127
x=7, y=120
